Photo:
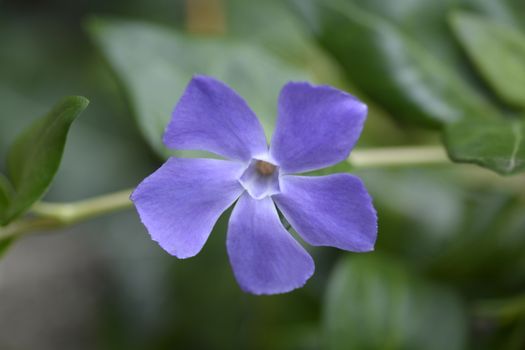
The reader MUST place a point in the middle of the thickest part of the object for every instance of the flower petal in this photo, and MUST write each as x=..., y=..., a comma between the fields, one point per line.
x=317, y=126
x=180, y=202
x=265, y=258
x=333, y=210
x=212, y=117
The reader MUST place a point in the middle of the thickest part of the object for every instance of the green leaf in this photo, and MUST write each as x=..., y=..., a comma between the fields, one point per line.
x=5, y=195
x=287, y=37
x=510, y=12
x=35, y=155
x=497, y=145
x=424, y=226
x=5, y=244
x=498, y=51
x=398, y=54
x=374, y=303
x=155, y=64
x=5, y=192
x=493, y=222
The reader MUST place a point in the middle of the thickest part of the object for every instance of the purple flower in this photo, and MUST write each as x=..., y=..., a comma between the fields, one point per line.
x=317, y=126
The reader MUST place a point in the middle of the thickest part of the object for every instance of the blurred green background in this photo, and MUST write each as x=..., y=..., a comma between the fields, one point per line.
x=448, y=271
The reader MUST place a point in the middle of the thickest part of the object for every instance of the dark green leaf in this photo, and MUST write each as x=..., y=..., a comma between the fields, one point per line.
x=156, y=63
x=402, y=197
x=405, y=67
x=498, y=51
x=497, y=145
x=34, y=157
x=401, y=55
x=494, y=223
x=374, y=303
x=423, y=22
x=438, y=234
x=5, y=244
x=5, y=195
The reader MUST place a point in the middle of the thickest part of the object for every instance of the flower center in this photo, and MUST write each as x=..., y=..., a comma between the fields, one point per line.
x=260, y=179
x=265, y=168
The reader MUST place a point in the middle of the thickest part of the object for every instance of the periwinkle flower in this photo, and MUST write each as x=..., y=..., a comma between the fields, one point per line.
x=316, y=127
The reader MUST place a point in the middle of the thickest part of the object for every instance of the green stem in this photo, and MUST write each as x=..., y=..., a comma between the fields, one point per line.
x=26, y=225
x=398, y=156
x=472, y=175
x=70, y=213
x=47, y=216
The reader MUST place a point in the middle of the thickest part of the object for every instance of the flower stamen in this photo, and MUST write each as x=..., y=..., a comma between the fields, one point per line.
x=265, y=168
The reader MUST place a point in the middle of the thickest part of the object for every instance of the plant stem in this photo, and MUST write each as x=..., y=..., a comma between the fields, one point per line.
x=26, y=225
x=47, y=216
x=472, y=175
x=398, y=156
x=70, y=213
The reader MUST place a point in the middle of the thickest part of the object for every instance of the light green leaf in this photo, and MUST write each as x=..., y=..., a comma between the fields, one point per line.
x=509, y=12
x=34, y=157
x=497, y=145
x=155, y=64
x=374, y=303
x=498, y=51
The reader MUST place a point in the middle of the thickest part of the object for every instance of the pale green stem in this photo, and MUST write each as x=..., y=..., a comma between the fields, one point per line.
x=398, y=156
x=46, y=216
x=27, y=225
x=73, y=212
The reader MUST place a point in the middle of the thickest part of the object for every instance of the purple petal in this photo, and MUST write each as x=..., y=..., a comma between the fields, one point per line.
x=212, y=117
x=317, y=126
x=333, y=210
x=180, y=202
x=265, y=258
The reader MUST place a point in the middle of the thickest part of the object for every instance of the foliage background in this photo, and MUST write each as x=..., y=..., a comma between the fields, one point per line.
x=448, y=270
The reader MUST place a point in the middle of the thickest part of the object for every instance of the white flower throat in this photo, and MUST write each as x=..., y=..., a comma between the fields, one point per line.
x=261, y=179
